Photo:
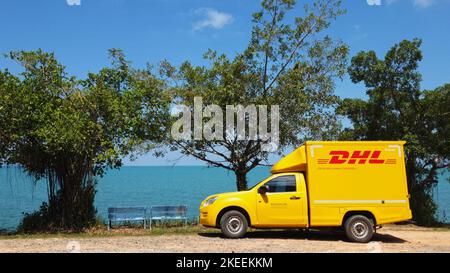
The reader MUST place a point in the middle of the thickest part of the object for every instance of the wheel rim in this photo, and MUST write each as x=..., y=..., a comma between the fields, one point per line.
x=360, y=229
x=234, y=224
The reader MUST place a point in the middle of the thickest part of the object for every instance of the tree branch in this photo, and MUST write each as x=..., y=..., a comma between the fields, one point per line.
x=190, y=151
x=291, y=56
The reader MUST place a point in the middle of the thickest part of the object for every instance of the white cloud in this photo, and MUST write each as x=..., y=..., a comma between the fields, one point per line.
x=73, y=2
x=374, y=2
x=423, y=3
x=416, y=3
x=212, y=18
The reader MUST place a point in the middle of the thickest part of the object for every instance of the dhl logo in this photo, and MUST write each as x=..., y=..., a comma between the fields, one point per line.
x=357, y=157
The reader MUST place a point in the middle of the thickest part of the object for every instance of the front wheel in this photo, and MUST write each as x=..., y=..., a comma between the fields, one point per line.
x=359, y=229
x=233, y=224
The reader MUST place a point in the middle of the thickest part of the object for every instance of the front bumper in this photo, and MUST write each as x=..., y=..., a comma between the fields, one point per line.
x=207, y=216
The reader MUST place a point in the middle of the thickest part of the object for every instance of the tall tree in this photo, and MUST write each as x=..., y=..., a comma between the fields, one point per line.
x=68, y=132
x=289, y=62
x=397, y=109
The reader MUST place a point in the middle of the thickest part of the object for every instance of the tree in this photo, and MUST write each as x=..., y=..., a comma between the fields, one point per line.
x=69, y=132
x=287, y=63
x=397, y=109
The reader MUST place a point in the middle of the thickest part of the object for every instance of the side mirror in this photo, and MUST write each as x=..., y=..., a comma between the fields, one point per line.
x=263, y=189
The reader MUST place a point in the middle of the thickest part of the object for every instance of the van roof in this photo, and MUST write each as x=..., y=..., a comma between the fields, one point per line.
x=310, y=142
x=296, y=160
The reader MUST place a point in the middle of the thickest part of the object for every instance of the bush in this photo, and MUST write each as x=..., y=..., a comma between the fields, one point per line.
x=60, y=215
x=423, y=206
x=36, y=221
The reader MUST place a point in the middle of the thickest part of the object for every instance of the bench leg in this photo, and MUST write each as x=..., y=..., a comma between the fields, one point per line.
x=109, y=224
x=144, y=224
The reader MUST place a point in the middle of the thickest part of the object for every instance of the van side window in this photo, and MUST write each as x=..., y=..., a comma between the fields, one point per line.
x=282, y=184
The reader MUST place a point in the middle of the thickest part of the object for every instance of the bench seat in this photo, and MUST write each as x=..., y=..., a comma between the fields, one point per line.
x=127, y=214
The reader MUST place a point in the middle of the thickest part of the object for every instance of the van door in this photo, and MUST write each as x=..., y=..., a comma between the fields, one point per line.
x=284, y=203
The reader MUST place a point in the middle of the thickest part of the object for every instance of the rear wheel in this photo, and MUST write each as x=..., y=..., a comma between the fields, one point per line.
x=233, y=224
x=359, y=229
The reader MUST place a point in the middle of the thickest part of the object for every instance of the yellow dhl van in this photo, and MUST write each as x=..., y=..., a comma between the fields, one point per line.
x=357, y=185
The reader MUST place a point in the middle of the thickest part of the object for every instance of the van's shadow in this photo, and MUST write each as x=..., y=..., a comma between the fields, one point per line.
x=313, y=235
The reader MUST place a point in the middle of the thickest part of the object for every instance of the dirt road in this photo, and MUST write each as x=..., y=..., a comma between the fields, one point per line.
x=387, y=239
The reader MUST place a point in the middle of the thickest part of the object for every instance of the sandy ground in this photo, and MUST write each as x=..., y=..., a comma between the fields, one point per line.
x=387, y=239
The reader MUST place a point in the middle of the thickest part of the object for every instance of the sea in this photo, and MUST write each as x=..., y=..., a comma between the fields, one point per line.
x=147, y=186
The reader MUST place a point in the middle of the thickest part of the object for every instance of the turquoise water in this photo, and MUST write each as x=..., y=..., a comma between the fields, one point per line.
x=442, y=197
x=129, y=186
x=145, y=186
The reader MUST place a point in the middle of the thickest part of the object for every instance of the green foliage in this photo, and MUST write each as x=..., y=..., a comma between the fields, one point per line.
x=397, y=109
x=69, y=132
x=289, y=63
x=49, y=217
x=37, y=221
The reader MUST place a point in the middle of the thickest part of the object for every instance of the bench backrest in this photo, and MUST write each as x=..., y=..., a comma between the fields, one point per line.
x=168, y=211
x=128, y=212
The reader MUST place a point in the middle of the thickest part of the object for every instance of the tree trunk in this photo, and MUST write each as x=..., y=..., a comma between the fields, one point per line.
x=422, y=204
x=73, y=206
x=241, y=180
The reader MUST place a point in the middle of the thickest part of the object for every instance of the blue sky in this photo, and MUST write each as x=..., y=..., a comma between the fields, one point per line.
x=81, y=31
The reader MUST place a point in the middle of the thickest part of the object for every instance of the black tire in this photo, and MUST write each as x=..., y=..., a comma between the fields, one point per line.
x=359, y=229
x=233, y=224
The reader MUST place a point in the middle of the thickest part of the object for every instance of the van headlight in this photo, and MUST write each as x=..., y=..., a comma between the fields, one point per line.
x=210, y=201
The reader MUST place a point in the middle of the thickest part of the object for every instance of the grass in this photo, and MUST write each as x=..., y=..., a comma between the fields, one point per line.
x=442, y=227
x=123, y=230
x=100, y=229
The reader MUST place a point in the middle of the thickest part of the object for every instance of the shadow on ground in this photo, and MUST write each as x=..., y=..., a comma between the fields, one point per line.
x=313, y=235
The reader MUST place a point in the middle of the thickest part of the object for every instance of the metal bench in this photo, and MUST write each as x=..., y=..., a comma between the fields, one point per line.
x=164, y=213
x=126, y=214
